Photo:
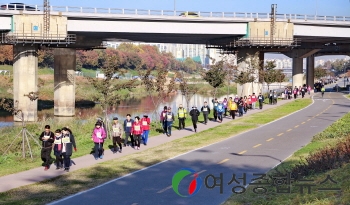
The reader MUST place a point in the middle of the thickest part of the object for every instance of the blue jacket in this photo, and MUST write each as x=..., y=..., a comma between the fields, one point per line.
x=128, y=125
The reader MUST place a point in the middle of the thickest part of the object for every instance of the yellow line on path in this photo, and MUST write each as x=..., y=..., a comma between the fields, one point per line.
x=303, y=123
x=289, y=130
x=317, y=114
x=308, y=119
x=296, y=126
x=269, y=139
x=225, y=160
x=243, y=152
x=280, y=134
x=257, y=145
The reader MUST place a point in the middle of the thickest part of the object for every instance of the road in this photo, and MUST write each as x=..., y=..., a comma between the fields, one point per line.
x=256, y=151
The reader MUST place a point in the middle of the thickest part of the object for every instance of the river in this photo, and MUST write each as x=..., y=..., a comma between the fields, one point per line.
x=131, y=106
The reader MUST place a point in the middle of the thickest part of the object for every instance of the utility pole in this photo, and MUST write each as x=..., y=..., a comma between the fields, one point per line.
x=46, y=18
x=273, y=22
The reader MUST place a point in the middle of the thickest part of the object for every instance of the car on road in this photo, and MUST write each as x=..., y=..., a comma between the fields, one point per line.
x=189, y=14
x=17, y=6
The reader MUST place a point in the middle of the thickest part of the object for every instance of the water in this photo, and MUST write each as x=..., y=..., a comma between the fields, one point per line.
x=134, y=107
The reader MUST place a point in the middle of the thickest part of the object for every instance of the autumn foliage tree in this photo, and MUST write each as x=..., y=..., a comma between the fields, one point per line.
x=187, y=90
x=6, y=54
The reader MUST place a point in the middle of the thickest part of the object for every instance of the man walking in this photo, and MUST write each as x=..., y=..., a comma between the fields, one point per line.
x=261, y=101
x=206, y=111
x=220, y=110
x=169, y=121
x=253, y=99
x=47, y=137
x=215, y=104
x=163, y=118
x=181, y=115
x=117, y=129
x=127, y=129
x=194, y=113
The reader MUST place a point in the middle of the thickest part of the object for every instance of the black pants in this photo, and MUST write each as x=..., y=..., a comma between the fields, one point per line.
x=66, y=160
x=46, y=155
x=220, y=116
x=233, y=113
x=295, y=96
x=215, y=115
x=181, y=123
x=98, y=149
x=59, y=160
x=205, y=118
x=164, y=126
x=115, y=141
x=194, y=122
x=137, y=139
x=127, y=135
x=261, y=104
x=302, y=94
x=270, y=100
x=225, y=112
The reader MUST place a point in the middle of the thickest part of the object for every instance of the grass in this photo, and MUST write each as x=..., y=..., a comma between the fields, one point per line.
x=321, y=141
x=56, y=188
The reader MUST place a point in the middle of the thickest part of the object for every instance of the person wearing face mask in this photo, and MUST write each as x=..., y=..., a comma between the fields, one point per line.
x=47, y=138
x=68, y=143
x=137, y=131
x=194, y=116
x=206, y=111
x=98, y=136
x=117, y=134
x=127, y=129
x=181, y=114
x=57, y=149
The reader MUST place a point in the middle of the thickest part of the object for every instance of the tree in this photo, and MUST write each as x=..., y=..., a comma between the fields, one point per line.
x=320, y=72
x=45, y=58
x=268, y=74
x=106, y=87
x=253, y=63
x=158, y=84
x=187, y=90
x=6, y=54
x=215, y=76
x=280, y=76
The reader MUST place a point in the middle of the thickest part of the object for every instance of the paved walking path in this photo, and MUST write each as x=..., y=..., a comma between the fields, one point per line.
x=38, y=174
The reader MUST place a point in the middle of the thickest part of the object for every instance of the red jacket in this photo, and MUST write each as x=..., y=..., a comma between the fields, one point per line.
x=136, y=128
x=163, y=115
x=146, y=122
x=253, y=97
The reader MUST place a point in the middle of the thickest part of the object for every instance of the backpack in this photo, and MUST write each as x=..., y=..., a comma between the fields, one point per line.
x=295, y=92
x=220, y=108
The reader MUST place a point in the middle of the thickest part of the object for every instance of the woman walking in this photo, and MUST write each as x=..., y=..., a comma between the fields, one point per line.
x=137, y=131
x=68, y=143
x=98, y=136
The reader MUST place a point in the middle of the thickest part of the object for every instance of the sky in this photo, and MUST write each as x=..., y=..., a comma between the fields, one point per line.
x=310, y=7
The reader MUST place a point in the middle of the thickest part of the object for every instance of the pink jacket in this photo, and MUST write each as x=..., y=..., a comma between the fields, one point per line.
x=98, y=132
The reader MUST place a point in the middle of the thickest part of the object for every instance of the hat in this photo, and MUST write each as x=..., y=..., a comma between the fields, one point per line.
x=115, y=118
x=145, y=115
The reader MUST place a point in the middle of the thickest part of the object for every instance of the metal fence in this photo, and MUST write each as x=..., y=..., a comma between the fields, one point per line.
x=144, y=12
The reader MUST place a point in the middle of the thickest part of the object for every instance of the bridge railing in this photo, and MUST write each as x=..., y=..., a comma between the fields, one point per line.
x=242, y=15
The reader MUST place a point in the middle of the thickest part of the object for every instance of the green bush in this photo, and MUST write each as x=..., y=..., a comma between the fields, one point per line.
x=338, y=129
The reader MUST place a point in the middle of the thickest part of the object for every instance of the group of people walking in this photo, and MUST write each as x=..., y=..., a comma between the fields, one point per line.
x=62, y=142
x=227, y=107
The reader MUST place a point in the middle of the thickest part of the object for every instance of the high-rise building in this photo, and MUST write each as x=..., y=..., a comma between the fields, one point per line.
x=181, y=51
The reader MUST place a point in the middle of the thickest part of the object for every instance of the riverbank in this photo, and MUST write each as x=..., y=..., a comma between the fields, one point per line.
x=83, y=179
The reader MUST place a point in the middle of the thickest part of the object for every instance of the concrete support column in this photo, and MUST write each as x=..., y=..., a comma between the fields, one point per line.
x=25, y=80
x=297, y=72
x=253, y=87
x=64, y=96
x=310, y=71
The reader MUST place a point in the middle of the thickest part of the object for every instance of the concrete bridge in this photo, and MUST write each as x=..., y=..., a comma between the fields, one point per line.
x=71, y=28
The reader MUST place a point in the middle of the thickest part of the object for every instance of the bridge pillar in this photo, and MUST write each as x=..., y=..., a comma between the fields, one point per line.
x=310, y=71
x=64, y=82
x=297, y=72
x=252, y=87
x=25, y=81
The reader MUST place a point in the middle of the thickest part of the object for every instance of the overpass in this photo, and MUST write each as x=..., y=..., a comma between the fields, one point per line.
x=71, y=28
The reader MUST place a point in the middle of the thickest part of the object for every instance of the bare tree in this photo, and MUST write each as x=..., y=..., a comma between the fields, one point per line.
x=187, y=90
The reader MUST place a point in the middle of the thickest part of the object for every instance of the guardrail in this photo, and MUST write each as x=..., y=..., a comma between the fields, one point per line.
x=244, y=15
x=29, y=38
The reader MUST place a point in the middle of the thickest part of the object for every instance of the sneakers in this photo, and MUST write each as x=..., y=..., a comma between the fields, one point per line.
x=66, y=169
x=57, y=168
x=96, y=158
x=138, y=148
x=120, y=151
x=101, y=157
x=46, y=168
x=195, y=130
